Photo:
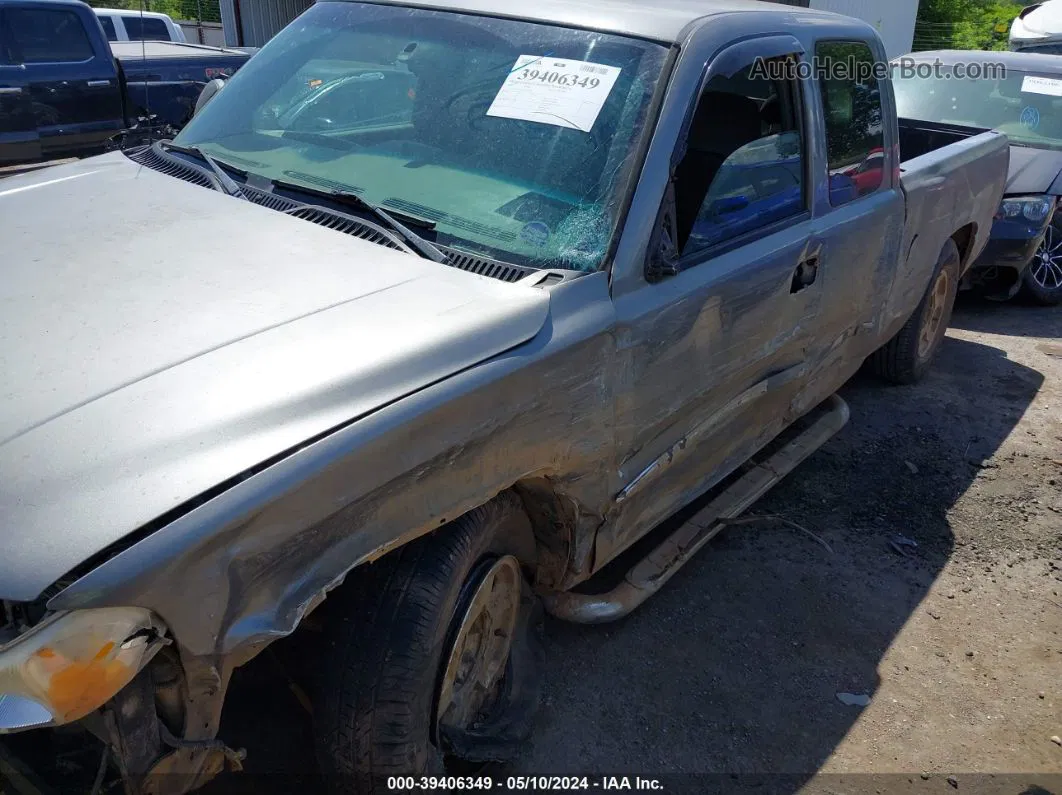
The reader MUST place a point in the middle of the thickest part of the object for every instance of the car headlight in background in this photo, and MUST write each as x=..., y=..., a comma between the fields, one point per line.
x=1034, y=209
x=72, y=663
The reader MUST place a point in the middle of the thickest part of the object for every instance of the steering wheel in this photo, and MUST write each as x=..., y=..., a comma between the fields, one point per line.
x=477, y=114
x=482, y=87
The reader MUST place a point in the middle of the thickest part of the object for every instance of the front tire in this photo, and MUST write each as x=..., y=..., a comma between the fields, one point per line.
x=1042, y=280
x=907, y=356
x=419, y=669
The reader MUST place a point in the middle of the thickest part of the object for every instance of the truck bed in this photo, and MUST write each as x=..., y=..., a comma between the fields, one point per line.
x=952, y=180
x=919, y=138
x=166, y=77
x=128, y=51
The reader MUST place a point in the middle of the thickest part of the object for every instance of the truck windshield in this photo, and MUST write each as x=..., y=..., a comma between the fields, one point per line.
x=517, y=140
x=1026, y=106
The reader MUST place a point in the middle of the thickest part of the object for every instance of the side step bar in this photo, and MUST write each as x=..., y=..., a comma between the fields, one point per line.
x=651, y=573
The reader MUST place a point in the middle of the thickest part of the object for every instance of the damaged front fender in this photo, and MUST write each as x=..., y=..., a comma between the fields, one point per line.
x=245, y=567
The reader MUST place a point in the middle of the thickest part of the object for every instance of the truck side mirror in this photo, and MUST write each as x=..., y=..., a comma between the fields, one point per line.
x=210, y=90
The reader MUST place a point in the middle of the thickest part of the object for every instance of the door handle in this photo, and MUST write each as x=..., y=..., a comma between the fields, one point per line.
x=98, y=83
x=10, y=89
x=806, y=273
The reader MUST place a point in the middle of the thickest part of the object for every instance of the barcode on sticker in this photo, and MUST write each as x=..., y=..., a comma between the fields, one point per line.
x=594, y=70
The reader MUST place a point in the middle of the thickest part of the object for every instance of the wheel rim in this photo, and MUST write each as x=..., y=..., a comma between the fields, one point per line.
x=1047, y=263
x=481, y=646
x=934, y=318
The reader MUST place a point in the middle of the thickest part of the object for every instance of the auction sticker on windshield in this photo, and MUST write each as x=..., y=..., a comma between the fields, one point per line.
x=551, y=91
x=1050, y=86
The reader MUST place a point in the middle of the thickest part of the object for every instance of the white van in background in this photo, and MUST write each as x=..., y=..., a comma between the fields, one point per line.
x=1038, y=28
x=126, y=25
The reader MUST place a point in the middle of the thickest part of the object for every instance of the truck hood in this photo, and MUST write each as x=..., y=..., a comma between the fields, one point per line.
x=1034, y=171
x=158, y=339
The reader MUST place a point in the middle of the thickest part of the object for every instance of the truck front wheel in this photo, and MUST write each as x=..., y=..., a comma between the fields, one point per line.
x=435, y=655
x=907, y=356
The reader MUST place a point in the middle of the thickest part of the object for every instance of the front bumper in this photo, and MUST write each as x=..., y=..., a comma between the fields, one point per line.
x=1015, y=253
x=999, y=268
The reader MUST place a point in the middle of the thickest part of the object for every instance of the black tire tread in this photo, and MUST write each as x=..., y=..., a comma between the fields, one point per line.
x=379, y=679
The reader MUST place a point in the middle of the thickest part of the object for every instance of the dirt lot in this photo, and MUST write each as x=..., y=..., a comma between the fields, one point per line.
x=729, y=678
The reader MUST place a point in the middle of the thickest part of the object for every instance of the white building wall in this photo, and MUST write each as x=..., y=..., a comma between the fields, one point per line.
x=894, y=19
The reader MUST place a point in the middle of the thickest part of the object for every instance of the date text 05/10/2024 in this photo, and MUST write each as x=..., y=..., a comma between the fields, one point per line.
x=522, y=783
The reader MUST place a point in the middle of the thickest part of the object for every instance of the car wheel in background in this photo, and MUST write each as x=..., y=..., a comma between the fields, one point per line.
x=1042, y=280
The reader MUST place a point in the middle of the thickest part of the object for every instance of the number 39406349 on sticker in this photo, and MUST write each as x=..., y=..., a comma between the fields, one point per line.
x=553, y=91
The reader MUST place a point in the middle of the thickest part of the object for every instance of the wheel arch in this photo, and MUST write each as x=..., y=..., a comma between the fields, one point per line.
x=965, y=239
x=551, y=549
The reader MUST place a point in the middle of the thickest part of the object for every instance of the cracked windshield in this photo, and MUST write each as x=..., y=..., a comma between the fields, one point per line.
x=509, y=139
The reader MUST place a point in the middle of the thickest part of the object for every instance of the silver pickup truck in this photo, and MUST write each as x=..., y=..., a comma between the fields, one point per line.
x=436, y=310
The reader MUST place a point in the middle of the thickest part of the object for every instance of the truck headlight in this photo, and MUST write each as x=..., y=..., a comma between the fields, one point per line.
x=72, y=663
x=1034, y=209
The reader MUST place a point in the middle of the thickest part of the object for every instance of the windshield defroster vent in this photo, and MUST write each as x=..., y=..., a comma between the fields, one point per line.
x=455, y=221
x=322, y=182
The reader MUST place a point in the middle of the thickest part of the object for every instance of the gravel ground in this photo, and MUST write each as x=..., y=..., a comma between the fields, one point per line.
x=729, y=678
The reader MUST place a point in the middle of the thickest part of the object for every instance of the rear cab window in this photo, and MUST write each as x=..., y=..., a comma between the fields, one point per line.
x=39, y=35
x=108, y=28
x=855, y=129
x=145, y=28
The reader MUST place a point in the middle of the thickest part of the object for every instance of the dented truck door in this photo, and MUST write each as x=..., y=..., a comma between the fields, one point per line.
x=713, y=341
x=857, y=200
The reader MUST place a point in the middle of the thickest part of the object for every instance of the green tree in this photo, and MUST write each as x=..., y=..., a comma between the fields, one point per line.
x=206, y=10
x=964, y=24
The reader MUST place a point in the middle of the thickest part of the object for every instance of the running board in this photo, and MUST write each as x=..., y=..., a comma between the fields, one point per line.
x=651, y=573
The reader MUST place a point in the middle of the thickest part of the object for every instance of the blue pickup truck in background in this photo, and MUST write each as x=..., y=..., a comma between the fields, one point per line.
x=65, y=90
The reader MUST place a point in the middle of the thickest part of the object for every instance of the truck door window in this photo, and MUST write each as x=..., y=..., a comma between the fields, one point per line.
x=855, y=133
x=108, y=28
x=145, y=29
x=743, y=168
x=48, y=36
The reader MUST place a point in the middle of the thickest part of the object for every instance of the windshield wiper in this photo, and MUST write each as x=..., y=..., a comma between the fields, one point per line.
x=424, y=247
x=228, y=184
